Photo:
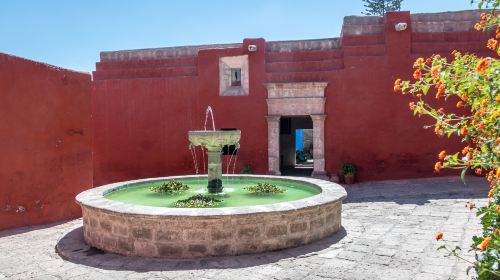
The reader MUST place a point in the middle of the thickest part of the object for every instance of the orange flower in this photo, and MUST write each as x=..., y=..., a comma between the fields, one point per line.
x=397, y=85
x=463, y=131
x=477, y=26
x=497, y=98
x=492, y=44
x=460, y=104
x=478, y=171
x=490, y=193
x=428, y=61
x=465, y=150
x=485, y=243
x=440, y=90
x=439, y=235
x=442, y=155
x=412, y=105
x=482, y=65
x=417, y=74
x=437, y=166
x=489, y=177
x=441, y=110
x=498, y=172
x=470, y=205
x=418, y=62
x=470, y=155
x=435, y=71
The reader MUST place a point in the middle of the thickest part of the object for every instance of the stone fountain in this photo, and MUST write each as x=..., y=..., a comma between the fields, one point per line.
x=213, y=141
x=135, y=229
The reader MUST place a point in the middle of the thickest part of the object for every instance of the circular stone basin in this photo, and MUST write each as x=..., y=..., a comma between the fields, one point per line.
x=127, y=218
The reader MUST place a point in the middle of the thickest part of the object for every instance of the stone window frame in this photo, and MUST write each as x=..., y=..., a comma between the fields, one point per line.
x=227, y=63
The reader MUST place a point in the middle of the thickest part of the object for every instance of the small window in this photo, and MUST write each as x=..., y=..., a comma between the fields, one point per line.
x=228, y=150
x=235, y=77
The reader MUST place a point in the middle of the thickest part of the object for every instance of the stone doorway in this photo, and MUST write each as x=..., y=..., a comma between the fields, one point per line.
x=296, y=99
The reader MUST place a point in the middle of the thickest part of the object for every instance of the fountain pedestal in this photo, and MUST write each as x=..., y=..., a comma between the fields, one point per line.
x=214, y=171
x=214, y=141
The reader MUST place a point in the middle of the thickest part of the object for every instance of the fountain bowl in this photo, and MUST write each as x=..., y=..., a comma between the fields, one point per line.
x=180, y=233
x=214, y=139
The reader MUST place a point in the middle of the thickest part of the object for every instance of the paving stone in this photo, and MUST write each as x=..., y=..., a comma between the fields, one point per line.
x=389, y=252
x=427, y=276
x=437, y=269
x=351, y=255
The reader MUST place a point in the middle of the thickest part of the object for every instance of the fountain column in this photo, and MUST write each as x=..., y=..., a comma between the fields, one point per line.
x=273, y=145
x=214, y=170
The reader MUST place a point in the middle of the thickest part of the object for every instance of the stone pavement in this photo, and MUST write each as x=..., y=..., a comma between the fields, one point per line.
x=388, y=233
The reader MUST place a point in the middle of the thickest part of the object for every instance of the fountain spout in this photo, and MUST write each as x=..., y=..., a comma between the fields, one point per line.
x=213, y=141
x=209, y=110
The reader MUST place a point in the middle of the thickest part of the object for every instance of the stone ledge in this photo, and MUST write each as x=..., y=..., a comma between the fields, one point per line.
x=157, y=53
x=94, y=198
x=189, y=233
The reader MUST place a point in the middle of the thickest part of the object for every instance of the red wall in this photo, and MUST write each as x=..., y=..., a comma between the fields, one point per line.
x=45, y=138
x=144, y=108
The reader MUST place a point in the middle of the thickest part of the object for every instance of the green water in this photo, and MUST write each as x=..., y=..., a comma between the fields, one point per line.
x=234, y=195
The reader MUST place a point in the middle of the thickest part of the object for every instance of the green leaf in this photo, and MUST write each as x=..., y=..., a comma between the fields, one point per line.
x=425, y=89
x=462, y=175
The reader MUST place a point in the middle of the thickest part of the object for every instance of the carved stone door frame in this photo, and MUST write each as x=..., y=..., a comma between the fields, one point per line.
x=296, y=99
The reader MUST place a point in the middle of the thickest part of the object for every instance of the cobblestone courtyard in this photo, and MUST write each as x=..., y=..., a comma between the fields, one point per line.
x=388, y=233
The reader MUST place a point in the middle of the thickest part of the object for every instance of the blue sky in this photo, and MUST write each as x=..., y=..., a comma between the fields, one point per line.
x=71, y=34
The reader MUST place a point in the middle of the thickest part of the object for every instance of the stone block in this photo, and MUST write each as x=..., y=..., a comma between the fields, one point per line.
x=276, y=231
x=125, y=245
x=169, y=250
x=221, y=235
x=191, y=235
x=143, y=233
x=220, y=250
x=197, y=249
x=317, y=223
x=105, y=225
x=168, y=235
x=294, y=242
x=298, y=227
x=120, y=230
x=249, y=232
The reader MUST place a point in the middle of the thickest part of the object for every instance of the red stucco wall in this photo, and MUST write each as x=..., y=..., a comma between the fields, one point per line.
x=45, y=141
x=144, y=107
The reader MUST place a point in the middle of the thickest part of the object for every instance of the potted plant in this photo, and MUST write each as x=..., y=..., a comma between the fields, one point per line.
x=349, y=171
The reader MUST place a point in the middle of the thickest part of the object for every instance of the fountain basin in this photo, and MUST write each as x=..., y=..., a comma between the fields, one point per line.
x=138, y=230
x=214, y=140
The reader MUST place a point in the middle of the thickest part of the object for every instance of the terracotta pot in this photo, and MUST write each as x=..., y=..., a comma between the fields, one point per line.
x=341, y=177
x=349, y=179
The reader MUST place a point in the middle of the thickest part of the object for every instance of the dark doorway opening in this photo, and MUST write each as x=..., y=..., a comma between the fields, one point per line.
x=296, y=147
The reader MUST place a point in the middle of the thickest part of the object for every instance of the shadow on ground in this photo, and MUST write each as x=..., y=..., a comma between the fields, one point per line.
x=73, y=248
x=417, y=191
x=25, y=229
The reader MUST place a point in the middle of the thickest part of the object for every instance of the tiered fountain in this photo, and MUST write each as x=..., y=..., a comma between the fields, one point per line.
x=127, y=218
x=213, y=141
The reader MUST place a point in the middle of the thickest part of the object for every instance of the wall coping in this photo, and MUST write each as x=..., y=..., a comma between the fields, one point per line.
x=94, y=198
x=454, y=21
